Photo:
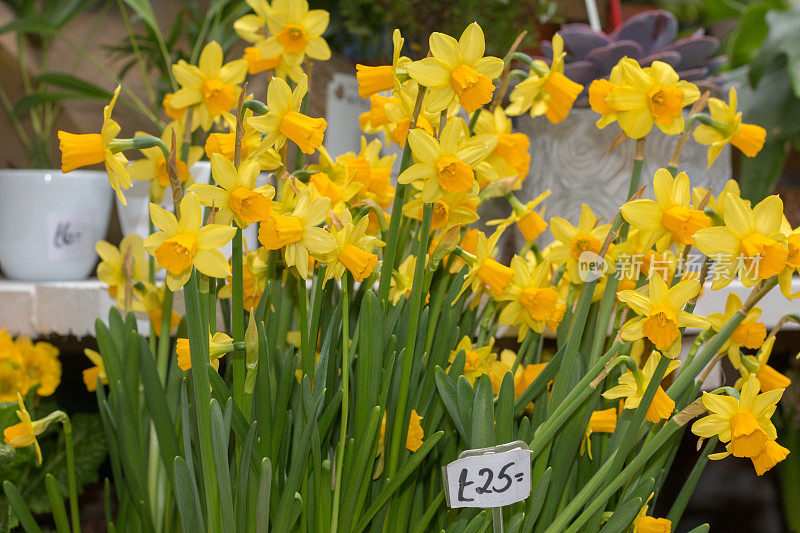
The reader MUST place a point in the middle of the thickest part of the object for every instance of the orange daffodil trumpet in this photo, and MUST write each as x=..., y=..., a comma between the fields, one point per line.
x=186, y=243
x=546, y=91
x=373, y=80
x=633, y=384
x=457, y=72
x=92, y=148
x=284, y=120
x=661, y=313
x=211, y=88
x=237, y=197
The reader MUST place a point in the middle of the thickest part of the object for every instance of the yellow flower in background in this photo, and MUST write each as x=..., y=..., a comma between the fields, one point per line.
x=717, y=205
x=632, y=387
x=211, y=88
x=92, y=148
x=339, y=191
x=377, y=117
x=353, y=249
x=604, y=421
x=529, y=222
x=254, y=279
x=371, y=170
x=41, y=365
x=172, y=112
x=750, y=243
x=670, y=217
x=448, y=211
x=446, y=165
x=373, y=80
x=415, y=432
x=478, y=360
x=662, y=314
x=284, y=119
x=182, y=244
x=91, y=374
x=639, y=97
x=457, y=71
x=768, y=377
x=510, y=157
x=403, y=279
x=743, y=421
x=649, y=524
x=532, y=302
x=485, y=271
x=295, y=31
x=728, y=128
x=13, y=378
x=546, y=91
x=792, y=264
x=297, y=234
x=572, y=241
x=153, y=167
x=399, y=111
x=749, y=334
x=237, y=197
x=150, y=300
x=218, y=345
x=112, y=267
x=252, y=147
x=252, y=27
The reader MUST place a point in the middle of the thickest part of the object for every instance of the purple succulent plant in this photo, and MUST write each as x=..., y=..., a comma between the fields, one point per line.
x=647, y=37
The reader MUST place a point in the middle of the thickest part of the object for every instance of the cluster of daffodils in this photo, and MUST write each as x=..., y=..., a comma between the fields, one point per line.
x=617, y=294
x=26, y=366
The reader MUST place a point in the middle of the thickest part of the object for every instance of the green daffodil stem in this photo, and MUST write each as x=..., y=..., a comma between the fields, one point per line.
x=237, y=321
x=400, y=425
x=337, y=488
x=474, y=120
x=676, y=511
x=71, y=479
x=163, y=340
x=390, y=251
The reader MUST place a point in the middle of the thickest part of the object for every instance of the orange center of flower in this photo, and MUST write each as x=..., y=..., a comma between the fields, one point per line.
x=176, y=253
x=495, y=276
x=684, y=222
x=531, y=226
x=293, y=38
x=766, y=257
x=249, y=205
x=540, y=303
x=793, y=257
x=304, y=131
x=661, y=328
x=219, y=96
x=256, y=63
x=454, y=174
x=359, y=262
x=661, y=407
x=279, y=230
x=326, y=187
x=585, y=243
x=473, y=88
x=750, y=334
x=664, y=103
x=747, y=437
x=513, y=147
x=598, y=93
x=441, y=211
x=163, y=174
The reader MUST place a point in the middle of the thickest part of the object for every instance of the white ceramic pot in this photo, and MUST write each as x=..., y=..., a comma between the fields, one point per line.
x=342, y=109
x=571, y=159
x=50, y=222
x=135, y=217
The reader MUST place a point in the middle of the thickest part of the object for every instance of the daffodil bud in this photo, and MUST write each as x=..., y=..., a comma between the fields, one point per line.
x=251, y=351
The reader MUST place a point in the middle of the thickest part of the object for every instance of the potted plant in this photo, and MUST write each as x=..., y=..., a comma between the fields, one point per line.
x=48, y=221
x=578, y=167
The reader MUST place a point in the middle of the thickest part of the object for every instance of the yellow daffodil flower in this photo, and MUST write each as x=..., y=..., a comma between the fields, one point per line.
x=399, y=111
x=446, y=165
x=750, y=243
x=353, y=249
x=749, y=334
x=457, y=71
x=728, y=128
x=296, y=233
x=237, y=196
x=717, y=205
x=13, y=378
x=372, y=171
x=415, y=433
x=768, y=377
x=532, y=302
x=639, y=97
x=792, y=264
x=572, y=241
x=211, y=89
x=254, y=279
x=403, y=279
x=153, y=167
x=92, y=148
x=662, y=314
x=24, y=433
x=604, y=421
x=295, y=31
x=529, y=222
x=111, y=269
x=218, y=345
x=172, y=112
x=632, y=386
x=510, y=157
x=772, y=454
x=252, y=147
x=546, y=91
x=448, y=211
x=649, y=524
x=743, y=421
x=91, y=374
x=373, y=80
x=150, y=300
x=485, y=270
x=40, y=364
x=377, y=117
x=478, y=360
x=182, y=244
x=670, y=217
x=252, y=27
x=284, y=119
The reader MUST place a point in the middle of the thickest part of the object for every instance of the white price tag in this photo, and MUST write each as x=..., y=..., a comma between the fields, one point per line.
x=69, y=235
x=489, y=477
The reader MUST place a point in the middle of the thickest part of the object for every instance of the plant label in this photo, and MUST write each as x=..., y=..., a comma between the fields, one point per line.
x=69, y=235
x=489, y=477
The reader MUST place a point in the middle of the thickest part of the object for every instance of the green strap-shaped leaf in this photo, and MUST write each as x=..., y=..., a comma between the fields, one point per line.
x=622, y=516
x=20, y=508
x=57, y=508
x=187, y=497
